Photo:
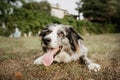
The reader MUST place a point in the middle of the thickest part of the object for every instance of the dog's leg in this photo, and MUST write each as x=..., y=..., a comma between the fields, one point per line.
x=89, y=63
x=39, y=60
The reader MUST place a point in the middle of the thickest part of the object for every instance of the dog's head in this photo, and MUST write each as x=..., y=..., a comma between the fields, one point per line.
x=56, y=35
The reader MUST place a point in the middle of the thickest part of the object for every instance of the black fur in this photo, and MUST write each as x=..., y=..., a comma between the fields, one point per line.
x=43, y=32
x=73, y=37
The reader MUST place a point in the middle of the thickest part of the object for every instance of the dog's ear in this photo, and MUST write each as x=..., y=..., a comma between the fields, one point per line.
x=44, y=30
x=73, y=37
x=76, y=34
x=42, y=33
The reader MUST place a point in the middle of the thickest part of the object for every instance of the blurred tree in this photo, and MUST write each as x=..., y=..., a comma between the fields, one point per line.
x=99, y=10
x=6, y=9
x=102, y=11
x=33, y=16
x=42, y=7
x=92, y=9
x=111, y=9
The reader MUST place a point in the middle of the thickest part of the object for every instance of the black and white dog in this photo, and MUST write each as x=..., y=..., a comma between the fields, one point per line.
x=61, y=43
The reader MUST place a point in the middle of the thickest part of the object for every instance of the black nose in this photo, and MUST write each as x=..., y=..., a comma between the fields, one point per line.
x=46, y=40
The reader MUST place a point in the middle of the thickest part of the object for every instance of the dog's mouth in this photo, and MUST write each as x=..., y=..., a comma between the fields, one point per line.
x=48, y=57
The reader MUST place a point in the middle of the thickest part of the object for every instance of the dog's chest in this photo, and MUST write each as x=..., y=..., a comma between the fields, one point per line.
x=66, y=57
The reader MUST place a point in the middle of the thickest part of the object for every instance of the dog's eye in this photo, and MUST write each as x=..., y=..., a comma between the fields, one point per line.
x=60, y=33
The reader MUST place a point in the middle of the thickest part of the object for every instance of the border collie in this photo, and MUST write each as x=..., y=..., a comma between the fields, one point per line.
x=61, y=43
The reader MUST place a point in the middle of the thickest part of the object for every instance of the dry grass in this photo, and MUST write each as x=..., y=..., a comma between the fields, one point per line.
x=17, y=56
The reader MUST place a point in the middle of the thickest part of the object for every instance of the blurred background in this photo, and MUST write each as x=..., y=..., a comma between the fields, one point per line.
x=27, y=17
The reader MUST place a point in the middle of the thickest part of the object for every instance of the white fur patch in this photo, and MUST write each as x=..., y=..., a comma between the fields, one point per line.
x=93, y=66
x=63, y=57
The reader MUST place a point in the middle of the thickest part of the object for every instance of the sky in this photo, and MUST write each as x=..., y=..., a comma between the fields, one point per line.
x=69, y=5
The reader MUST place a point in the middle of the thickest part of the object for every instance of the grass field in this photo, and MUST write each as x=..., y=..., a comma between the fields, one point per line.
x=17, y=56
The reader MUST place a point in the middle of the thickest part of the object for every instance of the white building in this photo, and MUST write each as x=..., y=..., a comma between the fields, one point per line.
x=57, y=11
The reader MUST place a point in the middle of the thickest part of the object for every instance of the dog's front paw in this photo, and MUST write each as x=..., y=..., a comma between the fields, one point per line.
x=38, y=61
x=93, y=66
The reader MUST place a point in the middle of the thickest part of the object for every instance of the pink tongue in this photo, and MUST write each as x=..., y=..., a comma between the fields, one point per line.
x=48, y=57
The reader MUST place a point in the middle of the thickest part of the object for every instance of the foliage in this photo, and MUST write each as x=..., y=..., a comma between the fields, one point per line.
x=33, y=16
x=69, y=20
x=105, y=11
x=94, y=28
